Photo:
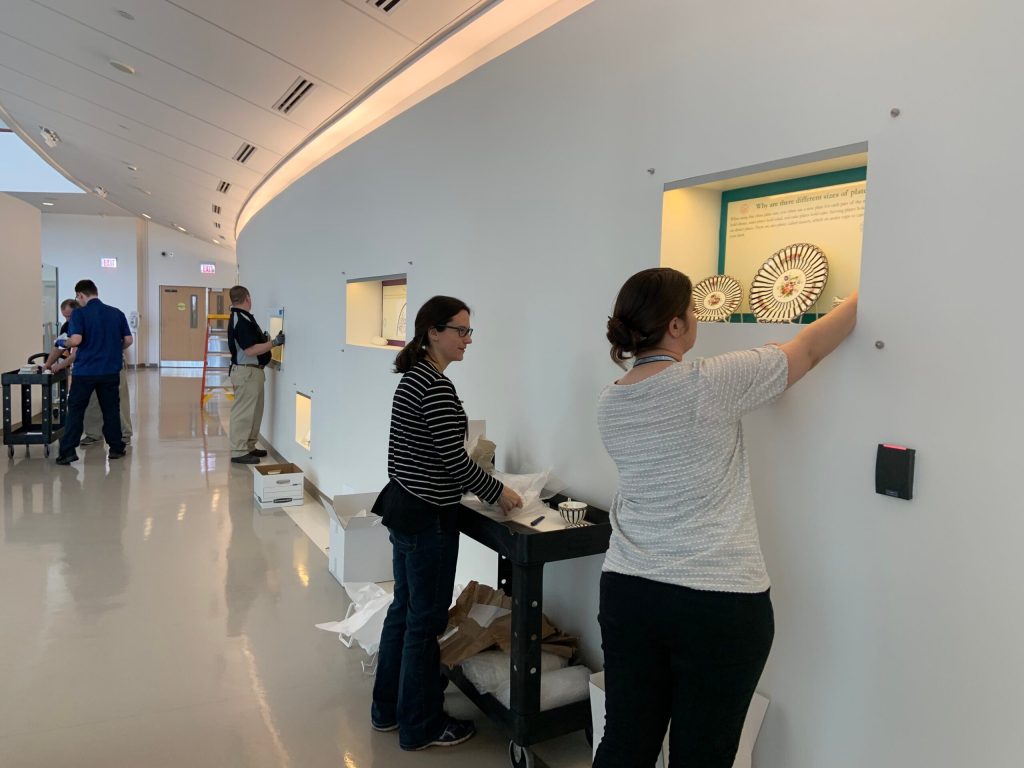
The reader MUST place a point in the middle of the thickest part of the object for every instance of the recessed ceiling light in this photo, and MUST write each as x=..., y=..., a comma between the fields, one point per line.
x=146, y=216
x=215, y=240
x=132, y=167
x=120, y=66
x=125, y=15
x=100, y=191
x=180, y=228
x=47, y=202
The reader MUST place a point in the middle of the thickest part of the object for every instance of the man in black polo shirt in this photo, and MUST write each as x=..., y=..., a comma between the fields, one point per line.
x=99, y=335
x=250, y=352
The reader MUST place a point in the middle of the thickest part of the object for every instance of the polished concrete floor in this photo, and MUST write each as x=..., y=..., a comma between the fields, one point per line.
x=151, y=616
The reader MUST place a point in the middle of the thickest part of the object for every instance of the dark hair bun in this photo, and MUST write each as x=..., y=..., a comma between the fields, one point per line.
x=624, y=339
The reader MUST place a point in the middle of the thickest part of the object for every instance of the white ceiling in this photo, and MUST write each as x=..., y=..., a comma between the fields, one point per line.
x=70, y=202
x=207, y=76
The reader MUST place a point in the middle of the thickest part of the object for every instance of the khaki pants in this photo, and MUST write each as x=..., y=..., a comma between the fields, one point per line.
x=94, y=417
x=246, y=408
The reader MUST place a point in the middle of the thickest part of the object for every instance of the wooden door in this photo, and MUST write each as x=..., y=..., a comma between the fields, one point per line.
x=182, y=324
x=219, y=303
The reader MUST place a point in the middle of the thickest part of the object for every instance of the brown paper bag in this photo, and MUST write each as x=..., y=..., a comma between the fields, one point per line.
x=471, y=638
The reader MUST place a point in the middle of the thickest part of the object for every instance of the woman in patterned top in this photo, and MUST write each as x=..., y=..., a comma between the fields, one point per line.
x=686, y=618
x=429, y=470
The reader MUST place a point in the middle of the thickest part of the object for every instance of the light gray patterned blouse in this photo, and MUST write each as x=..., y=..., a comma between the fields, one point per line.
x=684, y=513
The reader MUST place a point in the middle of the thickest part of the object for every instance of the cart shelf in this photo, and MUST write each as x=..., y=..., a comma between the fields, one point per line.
x=522, y=553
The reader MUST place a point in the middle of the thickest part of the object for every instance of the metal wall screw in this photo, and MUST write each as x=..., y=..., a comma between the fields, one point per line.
x=894, y=112
x=650, y=171
x=879, y=344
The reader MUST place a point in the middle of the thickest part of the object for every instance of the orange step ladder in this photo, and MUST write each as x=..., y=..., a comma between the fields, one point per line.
x=209, y=390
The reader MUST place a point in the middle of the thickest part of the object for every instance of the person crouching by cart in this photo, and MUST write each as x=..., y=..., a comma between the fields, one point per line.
x=99, y=334
x=429, y=470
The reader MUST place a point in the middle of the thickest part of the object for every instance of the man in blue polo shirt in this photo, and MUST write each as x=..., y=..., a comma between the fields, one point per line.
x=100, y=334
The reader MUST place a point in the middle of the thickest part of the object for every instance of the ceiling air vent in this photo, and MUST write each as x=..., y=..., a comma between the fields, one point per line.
x=385, y=5
x=216, y=208
x=224, y=186
x=216, y=225
x=299, y=90
x=244, y=152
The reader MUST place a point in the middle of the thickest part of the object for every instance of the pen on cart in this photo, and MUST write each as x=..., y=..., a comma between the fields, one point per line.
x=537, y=520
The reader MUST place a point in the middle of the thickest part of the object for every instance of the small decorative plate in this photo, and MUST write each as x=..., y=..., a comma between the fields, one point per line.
x=788, y=283
x=715, y=298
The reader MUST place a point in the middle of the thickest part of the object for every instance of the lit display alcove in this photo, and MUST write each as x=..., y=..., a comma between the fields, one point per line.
x=274, y=326
x=303, y=419
x=375, y=312
x=770, y=222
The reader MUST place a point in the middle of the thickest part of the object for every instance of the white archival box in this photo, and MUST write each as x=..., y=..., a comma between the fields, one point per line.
x=360, y=549
x=277, y=485
x=744, y=754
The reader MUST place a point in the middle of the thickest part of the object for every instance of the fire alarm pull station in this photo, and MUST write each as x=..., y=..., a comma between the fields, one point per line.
x=894, y=471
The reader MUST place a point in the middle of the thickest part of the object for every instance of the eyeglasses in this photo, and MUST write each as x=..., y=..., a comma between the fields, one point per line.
x=462, y=330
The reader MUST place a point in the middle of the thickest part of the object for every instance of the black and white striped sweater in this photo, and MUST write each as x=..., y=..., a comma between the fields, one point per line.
x=426, y=450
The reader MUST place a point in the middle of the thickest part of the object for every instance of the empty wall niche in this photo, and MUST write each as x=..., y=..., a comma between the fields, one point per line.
x=303, y=419
x=375, y=312
x=778, y=242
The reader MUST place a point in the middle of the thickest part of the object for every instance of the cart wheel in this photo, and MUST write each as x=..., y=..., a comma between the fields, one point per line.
x=46, y=451
x=588, y=731
x=520, y=757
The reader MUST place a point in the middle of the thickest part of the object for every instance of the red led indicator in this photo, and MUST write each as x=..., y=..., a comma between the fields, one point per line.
x=895, y=447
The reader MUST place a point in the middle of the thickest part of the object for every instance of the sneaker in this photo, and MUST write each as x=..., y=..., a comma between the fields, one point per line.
x=87, y=441
x=66, y=460
x=383, y=728
x=258, y=452
x=116, y=454
x=455, y=732
x=247, y=459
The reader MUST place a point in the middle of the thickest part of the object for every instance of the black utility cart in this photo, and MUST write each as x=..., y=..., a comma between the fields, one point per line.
x=522, y=552
x=54, y=413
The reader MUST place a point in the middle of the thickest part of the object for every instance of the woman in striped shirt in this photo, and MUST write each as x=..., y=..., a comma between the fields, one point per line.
x=429, y=471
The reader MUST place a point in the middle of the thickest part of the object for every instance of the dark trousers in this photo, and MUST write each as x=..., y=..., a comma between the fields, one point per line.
x=107, y=389
x=672, y=653
x=408, y=689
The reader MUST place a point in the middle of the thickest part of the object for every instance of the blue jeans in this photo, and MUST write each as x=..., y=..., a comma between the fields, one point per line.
x=408, y=685
x=679, y=654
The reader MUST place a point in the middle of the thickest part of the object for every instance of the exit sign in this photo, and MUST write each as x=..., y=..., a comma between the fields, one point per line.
x=208, y=269
x=108, y=263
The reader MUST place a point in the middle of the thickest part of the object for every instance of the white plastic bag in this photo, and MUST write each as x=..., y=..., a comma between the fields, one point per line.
x=557, y=688
x=530, y=487
x=489, y=671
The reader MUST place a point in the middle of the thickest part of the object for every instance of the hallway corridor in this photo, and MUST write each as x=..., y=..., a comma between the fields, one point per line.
x=151, y=616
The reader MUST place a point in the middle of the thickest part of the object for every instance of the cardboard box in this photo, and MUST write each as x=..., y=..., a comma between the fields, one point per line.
x=360, y=549
x=279, y=502
x=279, y=483
x=751, y=725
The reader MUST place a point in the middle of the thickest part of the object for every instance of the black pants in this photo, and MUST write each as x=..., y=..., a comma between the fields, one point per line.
x=107, y=389
x=682, y=655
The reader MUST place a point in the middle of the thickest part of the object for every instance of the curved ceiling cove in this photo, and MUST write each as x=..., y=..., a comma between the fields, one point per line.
x=196, y=113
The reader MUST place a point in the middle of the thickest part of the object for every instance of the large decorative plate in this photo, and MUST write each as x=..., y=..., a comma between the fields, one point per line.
x=715, y=298
x=788, y=283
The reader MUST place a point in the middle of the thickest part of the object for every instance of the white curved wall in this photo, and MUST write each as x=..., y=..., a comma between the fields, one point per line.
x=523, y=189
